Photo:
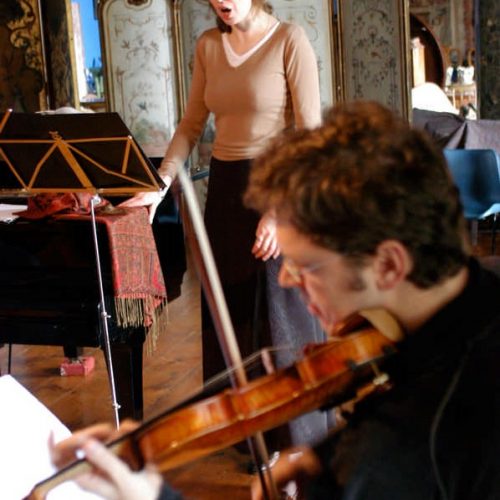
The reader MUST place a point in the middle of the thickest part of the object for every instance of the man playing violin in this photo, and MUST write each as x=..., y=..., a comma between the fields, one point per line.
x=368, y=218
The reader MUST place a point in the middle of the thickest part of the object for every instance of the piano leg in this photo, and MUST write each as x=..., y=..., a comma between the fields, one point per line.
x=127, y=366
x=72, y=352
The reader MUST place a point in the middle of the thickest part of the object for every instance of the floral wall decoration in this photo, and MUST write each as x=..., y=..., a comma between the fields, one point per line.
x=375, y=51
x=139, y=62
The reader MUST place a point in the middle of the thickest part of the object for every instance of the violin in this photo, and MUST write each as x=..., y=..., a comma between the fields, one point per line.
x=327, y=375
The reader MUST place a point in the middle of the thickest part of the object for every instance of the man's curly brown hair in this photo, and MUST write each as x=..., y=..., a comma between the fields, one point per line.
x=363, y=177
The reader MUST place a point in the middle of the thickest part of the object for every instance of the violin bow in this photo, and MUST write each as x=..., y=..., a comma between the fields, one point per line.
x=197, y=238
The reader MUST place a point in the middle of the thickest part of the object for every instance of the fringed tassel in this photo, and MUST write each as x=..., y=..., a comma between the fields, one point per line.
x=159, y=324
x=129, y=311
x=150, y=312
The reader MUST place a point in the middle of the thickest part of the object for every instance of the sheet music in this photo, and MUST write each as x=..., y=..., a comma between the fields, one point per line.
x=8, y=211
x=25, y=427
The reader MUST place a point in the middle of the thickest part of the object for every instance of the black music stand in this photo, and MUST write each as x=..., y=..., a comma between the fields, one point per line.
x=77, y=153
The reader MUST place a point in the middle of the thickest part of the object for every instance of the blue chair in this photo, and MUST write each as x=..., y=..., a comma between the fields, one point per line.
x=476, y=173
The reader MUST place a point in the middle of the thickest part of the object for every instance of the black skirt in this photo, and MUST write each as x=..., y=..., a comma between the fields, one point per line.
x=231, y=232
x=262, y=313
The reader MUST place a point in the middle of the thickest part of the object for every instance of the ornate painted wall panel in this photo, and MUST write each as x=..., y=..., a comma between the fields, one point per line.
x=316, y=19
x=193, y=17
x=139, y=64
x=22, y=85
x=375, y=51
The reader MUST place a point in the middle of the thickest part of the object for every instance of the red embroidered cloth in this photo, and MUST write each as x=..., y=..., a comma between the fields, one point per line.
x=138, y=285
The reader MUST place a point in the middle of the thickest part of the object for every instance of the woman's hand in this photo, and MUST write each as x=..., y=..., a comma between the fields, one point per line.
x=150, y=199
x=266, y=245
x=297, y=465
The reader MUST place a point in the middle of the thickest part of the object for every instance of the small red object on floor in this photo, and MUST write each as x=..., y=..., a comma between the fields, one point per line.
x=78, y=366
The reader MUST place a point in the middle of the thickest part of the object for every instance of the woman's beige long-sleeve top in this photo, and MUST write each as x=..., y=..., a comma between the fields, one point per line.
x=277, y=87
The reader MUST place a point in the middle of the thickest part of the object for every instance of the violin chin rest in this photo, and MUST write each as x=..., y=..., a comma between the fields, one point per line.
x=384, y=322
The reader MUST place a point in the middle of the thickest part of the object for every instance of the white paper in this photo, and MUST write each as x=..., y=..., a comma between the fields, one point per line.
x=25, y=427
x=8, y=212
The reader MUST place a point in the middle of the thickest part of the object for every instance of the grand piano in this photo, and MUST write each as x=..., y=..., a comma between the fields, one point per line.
x=50, y=296
x=50, y=293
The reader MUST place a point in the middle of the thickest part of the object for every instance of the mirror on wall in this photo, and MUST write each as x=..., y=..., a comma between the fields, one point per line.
x=443, y=56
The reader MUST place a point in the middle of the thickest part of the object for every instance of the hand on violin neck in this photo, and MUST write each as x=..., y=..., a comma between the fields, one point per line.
x=112, y=479
x=67, y=451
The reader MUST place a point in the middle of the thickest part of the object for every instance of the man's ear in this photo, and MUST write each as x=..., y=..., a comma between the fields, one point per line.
x=392, y=264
